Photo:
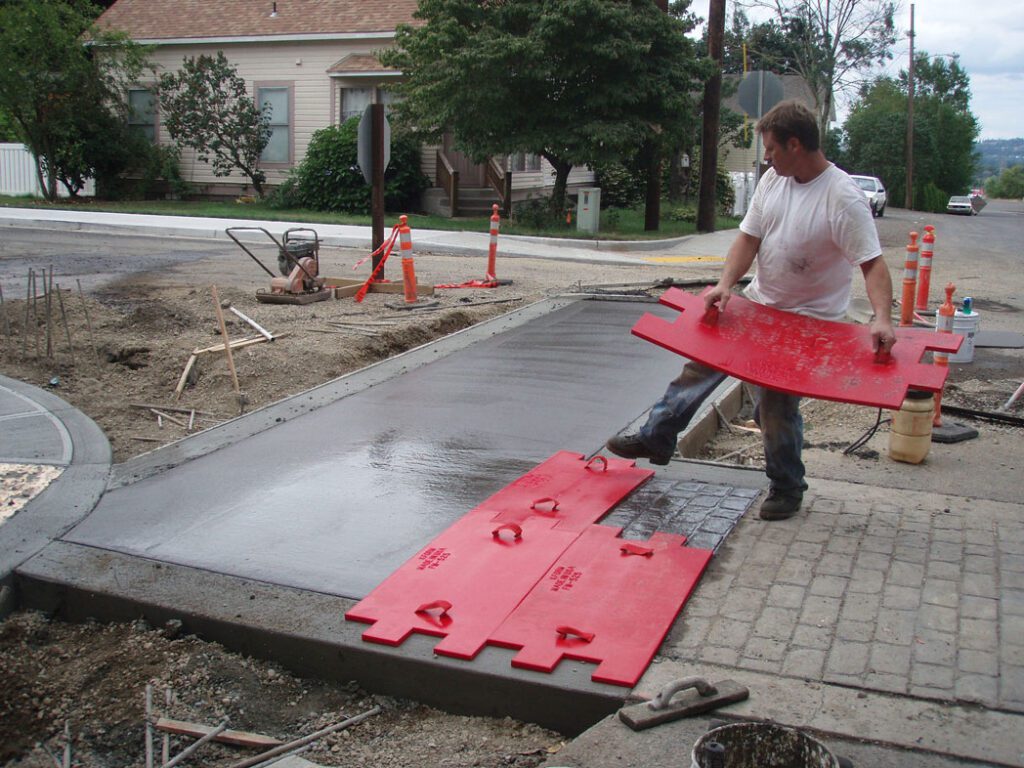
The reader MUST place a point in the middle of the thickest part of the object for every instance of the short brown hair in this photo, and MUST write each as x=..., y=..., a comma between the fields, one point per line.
x=791, y=119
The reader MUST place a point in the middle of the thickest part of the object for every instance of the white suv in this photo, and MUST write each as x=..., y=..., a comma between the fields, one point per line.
x=874, y=191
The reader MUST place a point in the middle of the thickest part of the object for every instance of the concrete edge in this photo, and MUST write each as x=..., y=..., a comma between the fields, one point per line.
x=70, y=497
x=965, y=731
x=306, y=632
x=247, y=425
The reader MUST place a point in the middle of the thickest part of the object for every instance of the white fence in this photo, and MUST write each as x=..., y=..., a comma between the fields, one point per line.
x=18, y=174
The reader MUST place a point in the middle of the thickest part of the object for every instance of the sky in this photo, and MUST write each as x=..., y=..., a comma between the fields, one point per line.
x=987, y=34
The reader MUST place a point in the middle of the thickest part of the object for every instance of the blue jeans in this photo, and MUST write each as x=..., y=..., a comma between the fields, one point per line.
x=776, y=413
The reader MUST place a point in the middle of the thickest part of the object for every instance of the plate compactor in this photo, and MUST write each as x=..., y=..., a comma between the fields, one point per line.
x=298, y=260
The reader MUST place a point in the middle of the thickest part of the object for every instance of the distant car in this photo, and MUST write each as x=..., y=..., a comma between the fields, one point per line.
x=874, y=190
x=960, y=204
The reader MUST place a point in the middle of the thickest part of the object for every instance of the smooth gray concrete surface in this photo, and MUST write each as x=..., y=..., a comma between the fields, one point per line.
x=37, y=427
x=338, y=498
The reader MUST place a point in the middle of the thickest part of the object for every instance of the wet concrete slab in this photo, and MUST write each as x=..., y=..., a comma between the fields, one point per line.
x=337, y=499
x=263, y=532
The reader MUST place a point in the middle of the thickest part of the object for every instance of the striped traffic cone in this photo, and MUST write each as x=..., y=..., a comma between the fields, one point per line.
x=925, y=269
x=408, y=268
x=909, y=283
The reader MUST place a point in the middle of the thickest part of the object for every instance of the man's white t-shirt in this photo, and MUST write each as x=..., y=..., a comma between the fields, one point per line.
x=812, y=236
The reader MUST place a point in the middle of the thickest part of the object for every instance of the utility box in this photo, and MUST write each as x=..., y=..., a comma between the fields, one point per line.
x=588, y=209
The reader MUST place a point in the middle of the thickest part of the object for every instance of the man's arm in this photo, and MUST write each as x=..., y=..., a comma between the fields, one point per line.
x=878, y=283
x=737, y=264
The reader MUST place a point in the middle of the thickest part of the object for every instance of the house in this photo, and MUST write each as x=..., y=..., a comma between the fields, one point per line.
x=741, y=162
x=744, y=160
x=314, y=63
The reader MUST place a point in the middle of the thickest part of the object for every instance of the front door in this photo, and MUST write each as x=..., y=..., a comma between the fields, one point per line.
x=470, y=174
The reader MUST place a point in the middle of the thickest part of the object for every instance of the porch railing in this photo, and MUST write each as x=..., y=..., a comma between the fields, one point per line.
x=447, y=178
x=500, y=181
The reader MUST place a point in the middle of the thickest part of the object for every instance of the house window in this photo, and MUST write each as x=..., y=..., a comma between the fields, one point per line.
x=354, y=101
x=522, y=162
x=142, y=112
x=278, y=100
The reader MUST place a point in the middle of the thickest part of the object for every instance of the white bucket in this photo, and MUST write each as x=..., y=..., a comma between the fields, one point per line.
x=759, y=745
x=967, y=326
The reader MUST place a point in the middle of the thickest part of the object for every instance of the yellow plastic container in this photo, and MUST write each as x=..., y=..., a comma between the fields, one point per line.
x=911, y=433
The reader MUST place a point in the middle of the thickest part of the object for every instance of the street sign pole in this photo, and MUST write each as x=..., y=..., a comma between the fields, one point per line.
x=377, y=186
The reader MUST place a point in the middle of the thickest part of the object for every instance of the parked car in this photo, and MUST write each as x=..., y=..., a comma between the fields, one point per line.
x=874, y=190
x=961, y=204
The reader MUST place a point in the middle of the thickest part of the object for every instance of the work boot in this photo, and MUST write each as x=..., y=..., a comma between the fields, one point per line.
x=634, y=447
x=781, y=505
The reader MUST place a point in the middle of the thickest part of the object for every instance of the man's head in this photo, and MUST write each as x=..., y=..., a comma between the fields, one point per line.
x=791, y=144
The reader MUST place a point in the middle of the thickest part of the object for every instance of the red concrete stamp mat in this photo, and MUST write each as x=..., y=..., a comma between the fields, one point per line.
x=797, y=354
x=529, y=569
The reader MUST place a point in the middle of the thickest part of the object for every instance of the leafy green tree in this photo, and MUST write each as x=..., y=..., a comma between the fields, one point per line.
x=832, y=43
x=63, y=98
x=1008, y=184
x=206, y=106
x=944, y=130
x=575, y=81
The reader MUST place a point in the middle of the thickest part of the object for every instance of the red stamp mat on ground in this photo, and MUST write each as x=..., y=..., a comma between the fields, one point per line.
x=797, y=354
x=606, y=601
x=531, y=561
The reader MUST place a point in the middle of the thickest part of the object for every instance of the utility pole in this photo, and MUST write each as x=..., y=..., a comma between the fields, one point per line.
x=909, y=198
x=652, y=157
x=706, y=203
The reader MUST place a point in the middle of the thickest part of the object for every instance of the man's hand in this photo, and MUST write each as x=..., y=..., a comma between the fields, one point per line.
x=717, y=298
x=883, y=336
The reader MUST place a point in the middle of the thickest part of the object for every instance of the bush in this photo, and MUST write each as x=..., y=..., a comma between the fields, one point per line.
x=329, y=179
x=537, y=213
x=620, y=186
x=687, y=213
x=931, y=199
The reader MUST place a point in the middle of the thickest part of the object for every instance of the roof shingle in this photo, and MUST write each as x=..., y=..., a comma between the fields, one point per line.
x=171, y=19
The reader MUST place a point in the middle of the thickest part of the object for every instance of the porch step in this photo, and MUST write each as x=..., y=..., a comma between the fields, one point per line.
x=473, y=201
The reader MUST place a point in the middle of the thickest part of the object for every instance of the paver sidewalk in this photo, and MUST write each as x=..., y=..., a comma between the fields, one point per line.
x=889, y=590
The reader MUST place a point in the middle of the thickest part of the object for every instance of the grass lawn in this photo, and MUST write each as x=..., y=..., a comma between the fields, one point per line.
x=615, y=225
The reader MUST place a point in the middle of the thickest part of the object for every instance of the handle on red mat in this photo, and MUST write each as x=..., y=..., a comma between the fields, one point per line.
x=444, y=605
x=564, y=631
x=545, y=500
x=629, y=548
x=517, y=532
x=603, y=461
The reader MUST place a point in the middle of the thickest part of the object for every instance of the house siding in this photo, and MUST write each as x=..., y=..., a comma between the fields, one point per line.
x=302, y=66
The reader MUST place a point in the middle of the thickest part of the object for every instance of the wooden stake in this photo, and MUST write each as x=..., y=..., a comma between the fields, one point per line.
x=259, y=328
x=67, y=744
x=149, y=726
x=235, y=738
x=190, y=749
x=35, y=312
x=166, y=753
x=48, y=303
x=162, y=415
x=301, y=742
x=174, y=409
x=67, y=328
x=88, y=322
x=24, y=335
x=7, y=322
x=184, y=377
x=227, y=348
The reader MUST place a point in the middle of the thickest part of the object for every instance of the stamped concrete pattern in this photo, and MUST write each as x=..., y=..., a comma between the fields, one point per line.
x=892, y=591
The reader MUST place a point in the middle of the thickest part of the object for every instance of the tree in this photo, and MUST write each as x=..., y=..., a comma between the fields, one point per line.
x=1008, y=184
x=944, y=129
x=833, y=42
x=575, y=81
x=206, y=106
x=63, y=98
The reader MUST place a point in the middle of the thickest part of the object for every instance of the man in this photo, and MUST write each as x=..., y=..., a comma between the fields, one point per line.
x=808, y=226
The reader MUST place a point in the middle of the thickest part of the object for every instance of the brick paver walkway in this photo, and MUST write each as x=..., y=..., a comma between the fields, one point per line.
x=890, y=590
